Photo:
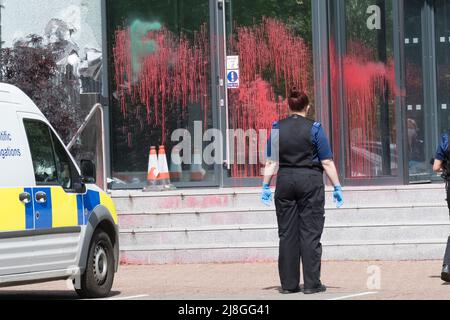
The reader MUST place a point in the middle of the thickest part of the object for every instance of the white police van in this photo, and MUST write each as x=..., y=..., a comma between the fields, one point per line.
x=55, y=223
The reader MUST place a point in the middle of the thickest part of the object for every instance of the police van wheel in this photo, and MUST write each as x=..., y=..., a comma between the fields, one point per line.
x=97, y=280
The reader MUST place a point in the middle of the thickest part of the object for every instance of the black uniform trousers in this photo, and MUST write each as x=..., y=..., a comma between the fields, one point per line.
x=447, y=250
x=300, y=204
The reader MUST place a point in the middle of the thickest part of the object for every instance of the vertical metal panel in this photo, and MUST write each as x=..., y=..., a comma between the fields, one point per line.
x=105, y=90
x=400, y=80
x=220, y=38
x=215, y=71
x=340, y=44
x=321, y=63
x=429, y=77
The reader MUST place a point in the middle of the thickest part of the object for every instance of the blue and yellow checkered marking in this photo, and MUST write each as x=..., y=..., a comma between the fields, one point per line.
x=60, y=210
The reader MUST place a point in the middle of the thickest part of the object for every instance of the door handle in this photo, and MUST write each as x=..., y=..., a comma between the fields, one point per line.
x=41, y=197
x=25, y=198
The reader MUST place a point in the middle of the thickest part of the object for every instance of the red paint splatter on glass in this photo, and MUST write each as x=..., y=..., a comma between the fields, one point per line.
x=272, y=59
x=176, y=74
x=365, y=83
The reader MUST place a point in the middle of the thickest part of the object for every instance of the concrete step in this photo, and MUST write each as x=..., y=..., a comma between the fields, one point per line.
x=226, y=235
x=231, y=225
x=432, y=249
x=394, y=213
x=153, y=202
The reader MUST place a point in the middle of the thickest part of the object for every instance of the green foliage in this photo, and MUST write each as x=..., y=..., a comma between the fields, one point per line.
x=295, y=13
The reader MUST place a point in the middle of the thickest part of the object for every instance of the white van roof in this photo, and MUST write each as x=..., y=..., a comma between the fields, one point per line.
x=13, y=97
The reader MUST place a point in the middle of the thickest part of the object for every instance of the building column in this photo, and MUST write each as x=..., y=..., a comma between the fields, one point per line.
x=321, y=63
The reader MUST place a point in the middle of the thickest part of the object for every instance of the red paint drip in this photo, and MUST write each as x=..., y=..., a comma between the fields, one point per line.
x=272, y=59
x=177, y=74
x=365, y=85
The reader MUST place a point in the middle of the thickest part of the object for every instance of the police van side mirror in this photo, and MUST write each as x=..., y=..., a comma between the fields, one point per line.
x=79, y=187
x=88, y=172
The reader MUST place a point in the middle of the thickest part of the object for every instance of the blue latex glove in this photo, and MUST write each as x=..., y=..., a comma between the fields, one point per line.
x=338, y=196
x=266, y=196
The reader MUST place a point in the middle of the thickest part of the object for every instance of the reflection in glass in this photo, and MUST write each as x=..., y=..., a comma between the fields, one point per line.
x=418, y=165
x=367, y=108
x=273, y=42
x=161, y=83
x=442, y=17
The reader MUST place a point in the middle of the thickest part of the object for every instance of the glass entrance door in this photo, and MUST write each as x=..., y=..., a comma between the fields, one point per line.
x=442, y=40
x=418, y=110
x=366, y=138
x=269, y=49
x=427, y=56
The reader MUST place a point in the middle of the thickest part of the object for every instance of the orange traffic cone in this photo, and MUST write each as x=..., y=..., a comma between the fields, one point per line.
x=197, y=171
x=176, y=170
x=153, y=171
x=164, y=175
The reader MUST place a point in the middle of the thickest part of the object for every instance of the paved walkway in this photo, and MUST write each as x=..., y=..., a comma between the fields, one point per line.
x=346, y=281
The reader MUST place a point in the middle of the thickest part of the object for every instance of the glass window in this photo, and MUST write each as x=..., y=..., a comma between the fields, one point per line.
x=363, y=88
x=161, y=82
x=416, y=108
x=273, y=40
x=442, y=17
x=52, y=165
x=63, y=163
x=41, y=147
x=52, y=50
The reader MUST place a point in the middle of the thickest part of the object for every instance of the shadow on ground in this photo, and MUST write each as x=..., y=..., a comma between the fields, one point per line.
x=44, y=295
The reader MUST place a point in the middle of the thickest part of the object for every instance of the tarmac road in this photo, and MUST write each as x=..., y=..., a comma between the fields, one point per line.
x=377, y=280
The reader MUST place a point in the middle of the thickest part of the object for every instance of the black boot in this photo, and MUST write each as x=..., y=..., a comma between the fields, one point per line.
x=445, y=275
x=283, y=291
x=318, y=289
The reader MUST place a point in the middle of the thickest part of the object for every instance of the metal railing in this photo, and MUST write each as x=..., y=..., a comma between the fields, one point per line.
x=95, y=108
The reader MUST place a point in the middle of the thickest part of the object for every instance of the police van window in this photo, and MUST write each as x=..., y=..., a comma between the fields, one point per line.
x=63, y=164
x=42, y=155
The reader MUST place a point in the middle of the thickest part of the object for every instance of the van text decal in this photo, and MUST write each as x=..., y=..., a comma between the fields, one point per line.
x=5, y=136
x=8, y=152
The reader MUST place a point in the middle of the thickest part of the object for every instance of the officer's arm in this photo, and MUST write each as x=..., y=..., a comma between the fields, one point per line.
x=437, y=166
x=273, y=144
x=269, y=171
x=325, y=154
x=441, y=154
x=331, y=171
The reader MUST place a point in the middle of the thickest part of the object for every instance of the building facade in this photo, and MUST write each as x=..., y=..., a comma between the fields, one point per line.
x=205, y=71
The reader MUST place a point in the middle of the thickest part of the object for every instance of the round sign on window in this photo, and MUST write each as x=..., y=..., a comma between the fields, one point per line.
x=233, y=79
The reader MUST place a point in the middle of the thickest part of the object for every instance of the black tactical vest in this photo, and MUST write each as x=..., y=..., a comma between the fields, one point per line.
x=296, y=147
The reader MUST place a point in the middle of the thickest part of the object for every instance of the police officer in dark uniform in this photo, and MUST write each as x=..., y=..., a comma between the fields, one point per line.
x=441, y=164
x=300, y=151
